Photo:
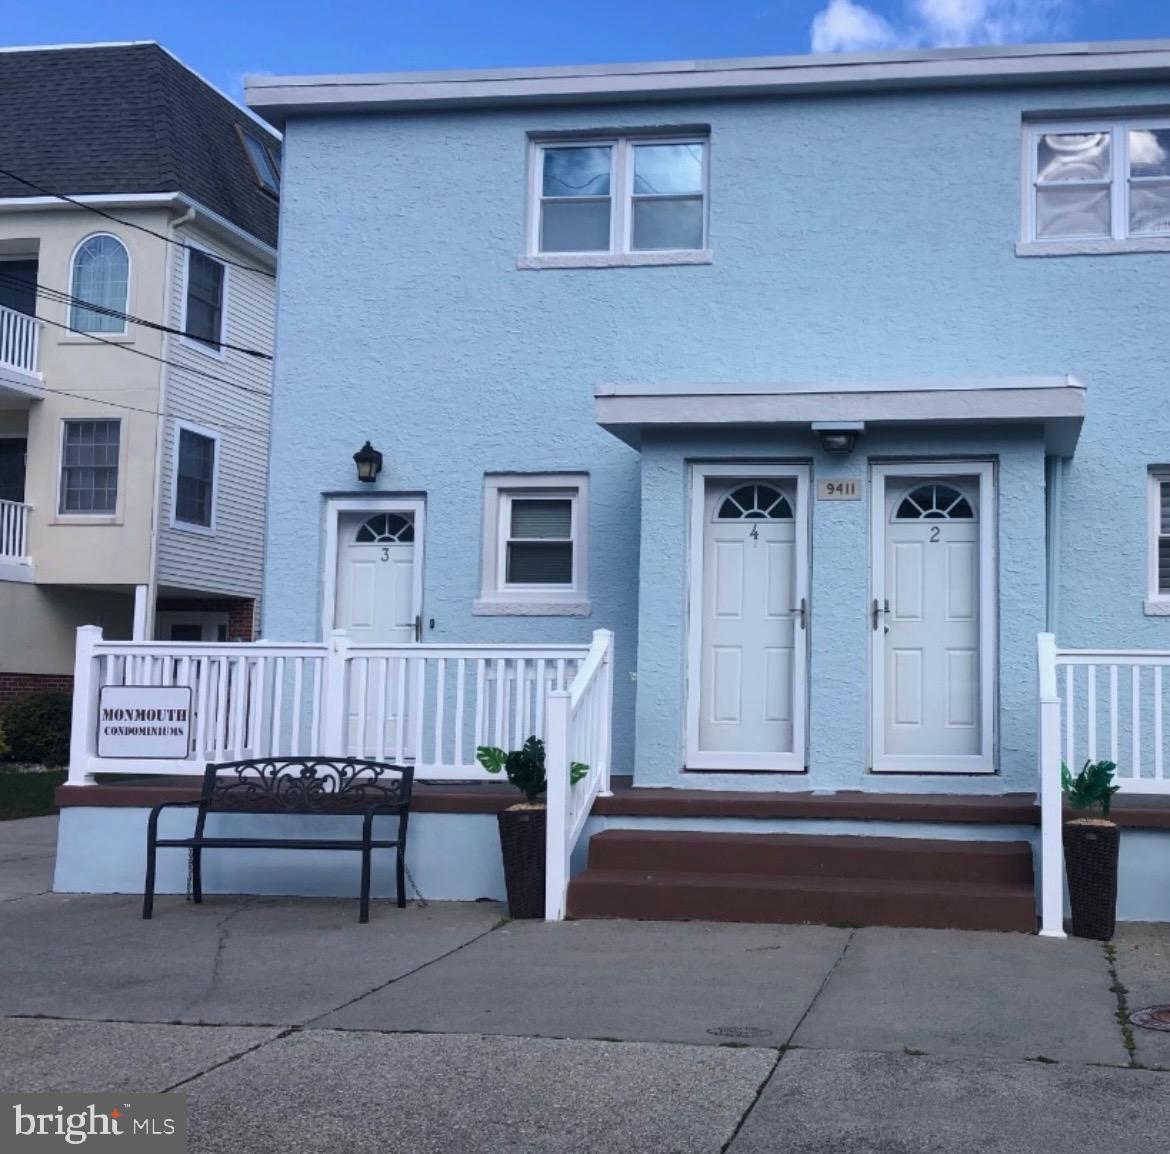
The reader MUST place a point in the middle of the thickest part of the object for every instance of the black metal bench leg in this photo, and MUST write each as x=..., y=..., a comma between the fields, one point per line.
x=400, y=874
x=148, y=886
x=197, y=876
x=364, y=910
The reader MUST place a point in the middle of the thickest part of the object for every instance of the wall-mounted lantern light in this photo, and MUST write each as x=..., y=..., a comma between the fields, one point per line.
x=369, y=463
x=838, y=437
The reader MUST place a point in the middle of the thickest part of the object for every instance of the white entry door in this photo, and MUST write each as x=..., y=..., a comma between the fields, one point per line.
x=378, y=602
x=932, y=619
x=748, y=620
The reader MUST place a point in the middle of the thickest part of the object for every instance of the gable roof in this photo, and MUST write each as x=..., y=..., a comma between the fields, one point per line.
x=278, y=97
x=128, y=118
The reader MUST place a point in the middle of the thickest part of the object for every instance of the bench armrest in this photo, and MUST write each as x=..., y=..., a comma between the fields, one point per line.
x=152, y=821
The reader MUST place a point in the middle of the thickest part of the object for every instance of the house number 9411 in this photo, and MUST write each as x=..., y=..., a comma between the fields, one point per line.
x=838, y=490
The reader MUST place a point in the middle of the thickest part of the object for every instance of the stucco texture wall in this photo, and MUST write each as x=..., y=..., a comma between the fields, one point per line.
x=853, y=238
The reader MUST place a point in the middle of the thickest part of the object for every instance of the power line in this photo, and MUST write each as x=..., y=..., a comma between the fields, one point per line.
x=60, y=296
x=127, y=223
x=160, y=360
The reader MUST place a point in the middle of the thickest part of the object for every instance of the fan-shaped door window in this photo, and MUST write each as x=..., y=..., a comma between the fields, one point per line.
x=755, y=502
x=385, y=529
x=934, y=502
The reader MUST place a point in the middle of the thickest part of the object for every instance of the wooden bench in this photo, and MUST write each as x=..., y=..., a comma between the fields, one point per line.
x=324, y=786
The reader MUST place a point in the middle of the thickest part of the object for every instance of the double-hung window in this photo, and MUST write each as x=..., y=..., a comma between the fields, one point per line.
x=89, y=467
x=195, y=463
x=534, y=544
x=1159, y=498
x=203, y=318
x=619, y=196
x=1099, y=182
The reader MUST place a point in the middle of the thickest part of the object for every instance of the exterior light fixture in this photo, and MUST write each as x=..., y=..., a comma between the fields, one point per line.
x=838, y=437
x=369, y=463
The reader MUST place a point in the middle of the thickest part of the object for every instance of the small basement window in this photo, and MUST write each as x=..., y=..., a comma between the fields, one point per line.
x=534, y=544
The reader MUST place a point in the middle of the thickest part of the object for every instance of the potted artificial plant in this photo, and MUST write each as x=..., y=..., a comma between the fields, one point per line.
x=1091, y=844
x=523, y=825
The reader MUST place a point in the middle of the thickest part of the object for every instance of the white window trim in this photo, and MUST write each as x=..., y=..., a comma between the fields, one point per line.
x=499, y=599
x=621, y=183
x=1119, y=240
x=73, y=517
x=192, y=526
x=85, y=333
x=1157, y=603
x=190, y=342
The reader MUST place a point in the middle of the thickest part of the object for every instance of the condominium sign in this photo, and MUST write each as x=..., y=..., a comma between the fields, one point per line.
x=144, y=721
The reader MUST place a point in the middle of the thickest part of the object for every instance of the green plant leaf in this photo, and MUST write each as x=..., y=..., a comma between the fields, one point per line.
x=577, y=770
x=491, y=758
x=1093, y=787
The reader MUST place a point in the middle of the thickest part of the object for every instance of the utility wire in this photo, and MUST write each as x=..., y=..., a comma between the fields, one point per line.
x=127, y=223
x=160, y=360
x=60, y=296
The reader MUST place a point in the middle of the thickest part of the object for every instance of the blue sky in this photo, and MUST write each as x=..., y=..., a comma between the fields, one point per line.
x=233, y=37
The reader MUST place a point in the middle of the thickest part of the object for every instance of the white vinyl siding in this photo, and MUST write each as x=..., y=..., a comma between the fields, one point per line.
x=236, y=411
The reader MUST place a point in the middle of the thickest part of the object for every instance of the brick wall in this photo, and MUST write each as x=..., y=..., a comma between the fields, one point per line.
x=14, y=685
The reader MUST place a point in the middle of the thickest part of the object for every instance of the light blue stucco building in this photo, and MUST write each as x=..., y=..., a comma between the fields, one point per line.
x=916, y=298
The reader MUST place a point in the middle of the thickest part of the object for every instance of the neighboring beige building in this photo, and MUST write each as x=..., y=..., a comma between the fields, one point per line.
x=134, y=432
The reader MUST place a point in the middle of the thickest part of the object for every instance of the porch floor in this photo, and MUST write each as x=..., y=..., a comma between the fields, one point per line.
x=1130, y=811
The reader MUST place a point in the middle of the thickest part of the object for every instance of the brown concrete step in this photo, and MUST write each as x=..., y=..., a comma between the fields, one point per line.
x=728, y=897
x=787, y=855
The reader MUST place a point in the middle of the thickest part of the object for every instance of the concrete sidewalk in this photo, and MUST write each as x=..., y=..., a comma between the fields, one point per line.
x=291, y=1027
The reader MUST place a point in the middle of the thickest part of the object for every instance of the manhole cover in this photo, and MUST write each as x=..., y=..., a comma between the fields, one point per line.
x=745, y=1032
x=1152, y=1018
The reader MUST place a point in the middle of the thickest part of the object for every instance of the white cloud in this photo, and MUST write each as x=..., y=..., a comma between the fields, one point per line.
x=844, y=26
x=847, y=27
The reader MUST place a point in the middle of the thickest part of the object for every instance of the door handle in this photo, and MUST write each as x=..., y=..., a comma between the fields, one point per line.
x=801, y=612
x=878, y=610
x=417, y=627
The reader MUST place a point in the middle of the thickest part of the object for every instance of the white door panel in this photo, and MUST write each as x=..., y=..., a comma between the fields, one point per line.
x=748, y=587
x=376, y=604
x=931, y=610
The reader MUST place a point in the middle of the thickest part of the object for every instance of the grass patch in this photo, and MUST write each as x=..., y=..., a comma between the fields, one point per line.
x=28, y=794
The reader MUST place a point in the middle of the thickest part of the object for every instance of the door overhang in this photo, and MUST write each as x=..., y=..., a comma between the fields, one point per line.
x=1054, y=403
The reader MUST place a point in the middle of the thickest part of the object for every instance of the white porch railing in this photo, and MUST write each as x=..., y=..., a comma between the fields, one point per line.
x=579, y=730
x=429, y=705
x=14, y=531
x=20, y=342
x=1095, y=704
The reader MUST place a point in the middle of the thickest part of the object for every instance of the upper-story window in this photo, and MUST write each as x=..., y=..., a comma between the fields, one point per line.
x=621, y=195
x=1101, y=181
x=264, y=159
x=203, y=315
x=89, y=466
x=101, y=278
x=196, y=451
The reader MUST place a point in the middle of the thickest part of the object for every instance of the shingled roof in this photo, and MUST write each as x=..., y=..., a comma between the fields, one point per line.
x=127, y=118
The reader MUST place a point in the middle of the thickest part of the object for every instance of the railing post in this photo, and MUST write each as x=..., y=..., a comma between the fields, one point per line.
x=83, y=730
x=603, y=787
x=556, y=857
x=1051, y=797
x=336, y=673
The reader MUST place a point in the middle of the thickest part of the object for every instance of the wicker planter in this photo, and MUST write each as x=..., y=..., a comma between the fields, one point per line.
x=1090, y=861
x=522, y=842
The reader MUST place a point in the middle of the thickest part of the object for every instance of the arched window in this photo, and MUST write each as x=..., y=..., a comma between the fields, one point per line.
x=755, y=503
x=934, y=503
x=384, y=529
x=101, y=278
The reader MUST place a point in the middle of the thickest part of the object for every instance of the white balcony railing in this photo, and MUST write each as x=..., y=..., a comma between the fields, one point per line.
x=20, y=342
x=14, y=531
x=1096, y=704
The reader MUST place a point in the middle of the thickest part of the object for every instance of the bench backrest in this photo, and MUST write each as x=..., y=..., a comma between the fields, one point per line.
x=326, y=785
